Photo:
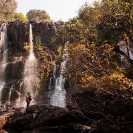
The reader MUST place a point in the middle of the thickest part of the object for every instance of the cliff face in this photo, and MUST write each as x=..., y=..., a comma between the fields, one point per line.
x=17, y=33
x=43, y=33
x=18, y=52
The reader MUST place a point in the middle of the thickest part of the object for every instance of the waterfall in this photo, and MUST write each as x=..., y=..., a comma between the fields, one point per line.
x=3, y=50
x=58, y=98
x=19, y=102
x=9, y=96
x=52, y=79
x=30, y=67
x=3, y=55
x=126, y=49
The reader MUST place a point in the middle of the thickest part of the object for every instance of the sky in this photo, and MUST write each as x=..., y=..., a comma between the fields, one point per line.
x=57, y=9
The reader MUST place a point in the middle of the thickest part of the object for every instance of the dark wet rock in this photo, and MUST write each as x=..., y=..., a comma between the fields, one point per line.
x=18, y=33
x=87, y=112
x=78, y=128
x=19, y=112
x=21, y=123
x=109, y=111
x=43, y=118
x=4, y=118
x=37, y=108
x=3, y=131
x=11, y=75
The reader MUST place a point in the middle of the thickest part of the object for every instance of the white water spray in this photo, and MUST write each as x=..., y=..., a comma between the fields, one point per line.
x=9, y=96
x=30, y=67
x=19, y=102
x=58, y=98
x=3, y=55
x=126, y=49
x=52, y=79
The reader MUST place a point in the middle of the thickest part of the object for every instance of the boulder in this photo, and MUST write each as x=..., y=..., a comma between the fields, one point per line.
x=47, y=118
x=4, y=118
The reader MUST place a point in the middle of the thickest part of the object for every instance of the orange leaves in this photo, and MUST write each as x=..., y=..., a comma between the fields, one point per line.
x=87, y=63
x=116, y=76
x=120, y=80
x=94, y=66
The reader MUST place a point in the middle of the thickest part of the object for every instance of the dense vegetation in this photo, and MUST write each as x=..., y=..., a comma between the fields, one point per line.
x=95, y=64
x=38, y=15
x=93, y=36
x=8, y=12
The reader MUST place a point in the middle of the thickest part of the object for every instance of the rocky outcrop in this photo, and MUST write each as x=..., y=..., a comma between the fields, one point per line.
x=4, y=118
x=110, y=111
x=48, y=119
x=12, y=79
x=87, y=112
x=43, y=33
x=18, y=52
x=18, y=35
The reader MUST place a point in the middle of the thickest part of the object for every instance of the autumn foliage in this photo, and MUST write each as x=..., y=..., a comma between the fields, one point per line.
x=98, y=67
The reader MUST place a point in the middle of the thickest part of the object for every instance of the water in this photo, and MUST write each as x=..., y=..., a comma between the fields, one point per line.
x=9, y=96
x=19, y=102
x=128, y=50
x=3, y=55
x=52, y=79
x=1, y=88
x=17, y=59
x=58, y=97
x=30, y=67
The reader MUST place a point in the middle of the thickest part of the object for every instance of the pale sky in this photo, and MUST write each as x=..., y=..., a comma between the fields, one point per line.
x=57, y=9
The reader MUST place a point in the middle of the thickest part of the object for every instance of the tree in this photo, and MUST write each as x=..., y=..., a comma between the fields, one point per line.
x=38, y=15
x=7, y=10
x=126, y=6
x=20, y=16
x=98, y=67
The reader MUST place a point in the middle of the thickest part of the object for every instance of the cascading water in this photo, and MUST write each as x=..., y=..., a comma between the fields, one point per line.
x=9, y=96
x=18, y=102
x=3, y=55
x=127, y=50
x=52, y=79
x=30, y=67
x=58, y=98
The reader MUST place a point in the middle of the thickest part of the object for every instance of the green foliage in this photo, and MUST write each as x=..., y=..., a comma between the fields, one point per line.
x=126, y=6
x=75, y=31
x=60, y=51
x=38, y=40
x=38, y=15
x=20, y=16
x=97, y=23
x=27, y=47
x=37, y=45
x=7, y=10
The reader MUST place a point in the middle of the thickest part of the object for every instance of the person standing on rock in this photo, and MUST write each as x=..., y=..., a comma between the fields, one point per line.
x=28, y=99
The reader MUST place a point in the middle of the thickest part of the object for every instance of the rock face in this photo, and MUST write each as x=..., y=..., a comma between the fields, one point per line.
x=13, y=76
x=18, y=52
x=4, y=118
x=49, y=119
x=18, y=35
x=110, y=111
x=43, y=33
